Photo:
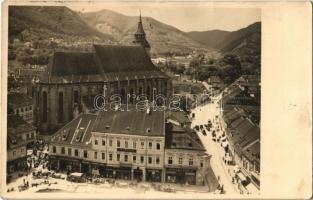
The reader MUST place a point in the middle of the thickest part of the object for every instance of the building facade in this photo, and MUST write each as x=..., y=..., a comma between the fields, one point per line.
x=128, y=145
x=116, y=144
x=185, y=159
x=21, y=136
x=22, y=105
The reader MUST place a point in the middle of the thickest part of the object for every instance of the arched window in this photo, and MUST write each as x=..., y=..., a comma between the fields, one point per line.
x=140, y=90
x=123, y=94
x=76, y=96
x=61, y=111
x=131, y=95
x=148, y=92
x=44, y=107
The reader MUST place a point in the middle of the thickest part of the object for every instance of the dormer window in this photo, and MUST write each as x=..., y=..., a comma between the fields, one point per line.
x=107, y=127
x=128, y=128
x=148, y=130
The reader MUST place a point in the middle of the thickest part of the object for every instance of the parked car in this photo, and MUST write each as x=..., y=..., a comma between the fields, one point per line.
x=201, y=126
x=204, y=132
x=76, y=177
x=197, y=128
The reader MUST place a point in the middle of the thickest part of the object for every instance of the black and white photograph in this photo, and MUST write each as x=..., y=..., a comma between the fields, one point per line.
x=134, y=99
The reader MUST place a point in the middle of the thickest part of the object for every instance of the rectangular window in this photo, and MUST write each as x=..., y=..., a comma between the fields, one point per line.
x=118, y=143
x=110, y=157
x=158, y=146
x=170, y=160
x=150, y=160
x=96, y=155
x=62, y=150
x=126, y=144
x=134, y=159
x=126, y=158
x=103, y=142
x=180, y=160
x=157, y=160
x=142, y=145
x=85, y=154
x=76, y=152
x=96, y=142
x=134, y=145
x=191, y=162
x=142, y=159
x=54, y=149
x=103, y=156
x=69, y=151
x=201, y=164
x=150, y=145
x=14, y=153
x=110, y=143
x=118, y=156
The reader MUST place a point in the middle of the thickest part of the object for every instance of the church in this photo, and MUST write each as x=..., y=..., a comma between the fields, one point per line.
x=73, y=79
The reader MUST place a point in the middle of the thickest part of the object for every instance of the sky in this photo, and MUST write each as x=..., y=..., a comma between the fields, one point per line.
x=186, y=17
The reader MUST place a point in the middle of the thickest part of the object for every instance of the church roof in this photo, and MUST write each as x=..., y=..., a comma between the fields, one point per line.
x=105, y=62
x=140, y=30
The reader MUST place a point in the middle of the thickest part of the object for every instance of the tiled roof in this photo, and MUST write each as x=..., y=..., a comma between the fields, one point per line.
x=133, y=122
x=106, y=63
x=215, y=79
x=76, y=132
x=186, y=139
x=231, y=115
x=17, y=124
x=18, y=100
x=253, y=152
x=178, y=116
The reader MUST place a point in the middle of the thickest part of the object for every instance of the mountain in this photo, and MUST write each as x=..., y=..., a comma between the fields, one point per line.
x=243, y=42
x=162, y=37
x=45, y=21
x=249, y=37
x=210, y=38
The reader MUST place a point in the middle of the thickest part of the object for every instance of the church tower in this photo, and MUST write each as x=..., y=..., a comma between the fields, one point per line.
x=140, y=37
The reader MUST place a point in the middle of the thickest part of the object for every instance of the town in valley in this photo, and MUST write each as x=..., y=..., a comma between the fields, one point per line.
x=100, y=101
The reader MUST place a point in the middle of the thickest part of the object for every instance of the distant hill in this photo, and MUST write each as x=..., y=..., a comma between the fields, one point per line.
x=249, y=37
x=209, y=38
x=162, y=37
x=243, y=42
x=49, y=20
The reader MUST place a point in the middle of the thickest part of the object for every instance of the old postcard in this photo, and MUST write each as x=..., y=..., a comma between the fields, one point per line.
x=156, y=100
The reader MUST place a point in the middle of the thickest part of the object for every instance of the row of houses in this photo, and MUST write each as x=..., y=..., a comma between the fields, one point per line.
x=144, y=145
x=21, y=136
x=241, y=124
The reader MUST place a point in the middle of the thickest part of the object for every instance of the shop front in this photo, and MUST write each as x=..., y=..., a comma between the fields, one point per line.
x=138, y=174
x=16, y=165
x=121, y=172
x=65, y=164
x=181, y=175
x=154, y=175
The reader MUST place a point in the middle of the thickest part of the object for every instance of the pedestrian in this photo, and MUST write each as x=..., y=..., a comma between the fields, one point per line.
x=218, y=178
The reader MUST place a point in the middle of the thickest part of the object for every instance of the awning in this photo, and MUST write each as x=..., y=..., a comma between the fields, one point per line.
x=237, y=169
x=76, y=174
x=95, y=172
x=225, y=144
x=241, y=176
x=252, y=189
